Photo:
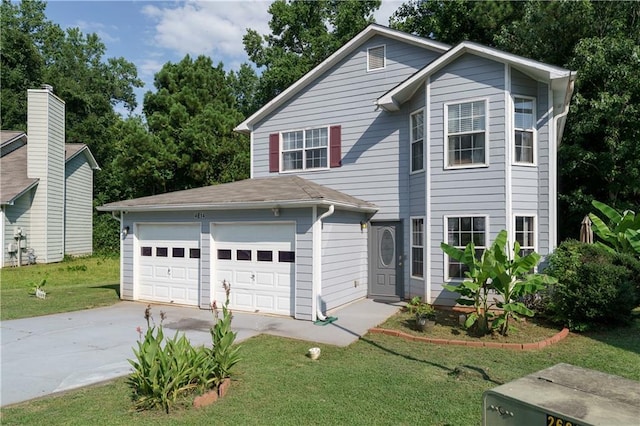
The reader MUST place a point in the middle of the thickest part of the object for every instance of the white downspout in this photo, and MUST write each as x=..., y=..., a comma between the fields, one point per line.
x=120, y=219
x=317, y=260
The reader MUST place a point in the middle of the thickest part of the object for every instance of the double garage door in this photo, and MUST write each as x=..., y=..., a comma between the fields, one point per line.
x=256, y=259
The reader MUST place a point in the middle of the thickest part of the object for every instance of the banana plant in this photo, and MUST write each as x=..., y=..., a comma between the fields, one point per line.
x=624, y=234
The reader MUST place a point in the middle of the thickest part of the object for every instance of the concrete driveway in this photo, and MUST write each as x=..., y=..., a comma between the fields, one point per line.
x=54, y=353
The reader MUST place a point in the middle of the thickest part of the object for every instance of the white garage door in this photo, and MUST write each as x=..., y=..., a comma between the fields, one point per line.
x=168, y=262
x=258, y=261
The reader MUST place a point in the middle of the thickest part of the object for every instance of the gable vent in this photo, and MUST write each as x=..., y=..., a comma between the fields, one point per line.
x=375, y=58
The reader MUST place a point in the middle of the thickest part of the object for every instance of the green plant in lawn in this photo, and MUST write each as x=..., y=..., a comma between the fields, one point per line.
x=413, y=304
x=624, y=234
x=505, y=274
x=38, y=286
x=513, y=282
x=164, y=369
x=223, y=355
x=474, y=290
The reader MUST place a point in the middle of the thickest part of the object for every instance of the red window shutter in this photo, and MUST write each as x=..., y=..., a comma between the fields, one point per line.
x=335, y=146
x=274, y=152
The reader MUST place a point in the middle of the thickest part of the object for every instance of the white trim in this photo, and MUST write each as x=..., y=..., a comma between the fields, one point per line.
x=411, y=142
x=392, y=100
x=384, y=57
x=553, y=173
x=445, y=238
x=445, y=126
x=316, y=261
x=534, y=130
x=427, y=151
x=366, y=34
x=509, y=140
x=251, y=150
x=411, y=246
x=304, y=150
x=4, y=241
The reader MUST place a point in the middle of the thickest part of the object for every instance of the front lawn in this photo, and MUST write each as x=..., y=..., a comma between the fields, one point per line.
x=378, y=380
x=80, y=283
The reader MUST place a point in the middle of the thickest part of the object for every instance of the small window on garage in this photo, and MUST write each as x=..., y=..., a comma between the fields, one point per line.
x=286, y=256
x=145, y=251
x=224, y=254
x=177, y=252
x=265, y=256
x=162, y=251
x=243, y=254
x=194, y=253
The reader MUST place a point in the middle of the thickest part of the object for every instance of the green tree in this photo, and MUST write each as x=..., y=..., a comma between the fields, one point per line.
x=244, y=83
x=188, y=140
x=457, y=20
x=304, y=33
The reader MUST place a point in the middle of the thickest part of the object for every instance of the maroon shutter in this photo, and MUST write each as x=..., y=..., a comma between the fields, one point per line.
x=335, y=146
x=274, y=152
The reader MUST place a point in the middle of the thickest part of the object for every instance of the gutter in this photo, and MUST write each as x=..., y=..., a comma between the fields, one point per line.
x=317, y=261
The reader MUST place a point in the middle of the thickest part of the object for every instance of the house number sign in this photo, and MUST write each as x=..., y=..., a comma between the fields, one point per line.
x=199, y=215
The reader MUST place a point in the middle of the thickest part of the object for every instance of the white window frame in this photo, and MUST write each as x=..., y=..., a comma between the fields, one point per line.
x=412, y=141
x=445, y=257
x=384, y=57
x=533, y=130
x=304, y=150
x=533, y=216
x=446, y=135
x=422, y=247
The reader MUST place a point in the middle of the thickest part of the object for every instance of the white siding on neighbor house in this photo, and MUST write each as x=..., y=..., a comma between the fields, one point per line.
x=303, y=247
x=374, y=160
x=344, y=260
x=14, y=216
x=469, y=191
x=45, y=160
x=78, y=217
x=530, y=185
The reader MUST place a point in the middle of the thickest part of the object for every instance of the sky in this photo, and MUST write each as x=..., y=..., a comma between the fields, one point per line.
x=152, y=33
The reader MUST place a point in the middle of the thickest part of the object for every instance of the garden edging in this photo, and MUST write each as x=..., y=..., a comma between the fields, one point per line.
x=515, y=346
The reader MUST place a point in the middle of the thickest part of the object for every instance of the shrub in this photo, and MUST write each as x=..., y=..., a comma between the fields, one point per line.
x=595, y=287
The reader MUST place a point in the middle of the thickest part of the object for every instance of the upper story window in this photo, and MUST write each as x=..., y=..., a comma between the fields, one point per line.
x=417, y=141
x=376, y=58
x=466, y=134
x=305, y=149
x=524, y=125
x=461, y=231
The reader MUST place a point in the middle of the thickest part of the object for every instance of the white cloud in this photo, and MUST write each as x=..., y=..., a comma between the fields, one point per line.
x=99, y=28
x=387, y=8
x=213, y=28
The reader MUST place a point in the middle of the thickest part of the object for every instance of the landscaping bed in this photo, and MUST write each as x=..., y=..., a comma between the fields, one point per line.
x=526, y=330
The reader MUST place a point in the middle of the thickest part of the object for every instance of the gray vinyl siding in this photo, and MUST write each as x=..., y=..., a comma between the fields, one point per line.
x=303, y=248
x=78, y=217
x=344, y=260
x=472, y=191
x=374, y=160
x=45, y=127
x=17, y=215
x=530, y=185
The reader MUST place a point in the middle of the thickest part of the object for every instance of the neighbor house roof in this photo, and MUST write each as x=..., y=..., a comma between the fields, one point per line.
x=372, y=30
x=268, y=192
x=13, y=164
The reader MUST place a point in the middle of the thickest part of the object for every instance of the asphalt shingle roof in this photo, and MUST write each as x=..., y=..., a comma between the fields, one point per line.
x=269, y=191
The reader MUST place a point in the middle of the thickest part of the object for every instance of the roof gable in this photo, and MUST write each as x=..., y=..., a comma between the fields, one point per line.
x=559, y=78
x=372, y=30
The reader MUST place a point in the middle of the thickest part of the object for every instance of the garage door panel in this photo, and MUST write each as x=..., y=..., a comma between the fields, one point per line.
x=247, y=256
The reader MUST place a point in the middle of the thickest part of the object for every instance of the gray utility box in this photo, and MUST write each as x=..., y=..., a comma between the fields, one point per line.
x=564, y=395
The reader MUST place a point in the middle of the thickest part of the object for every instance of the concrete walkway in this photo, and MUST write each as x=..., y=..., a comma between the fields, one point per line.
x=54, y=353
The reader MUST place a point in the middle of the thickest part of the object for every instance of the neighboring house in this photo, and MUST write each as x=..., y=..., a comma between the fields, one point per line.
x=46, y=191
x=359, y=171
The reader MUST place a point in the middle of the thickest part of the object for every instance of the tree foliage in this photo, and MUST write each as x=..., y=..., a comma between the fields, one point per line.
x=303, y=34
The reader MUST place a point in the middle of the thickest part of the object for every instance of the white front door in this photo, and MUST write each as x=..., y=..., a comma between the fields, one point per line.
x=168, y=262
x=258, y=261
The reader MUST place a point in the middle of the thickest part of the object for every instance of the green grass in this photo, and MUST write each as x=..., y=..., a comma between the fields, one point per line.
x=378, y=380
x=75, y=284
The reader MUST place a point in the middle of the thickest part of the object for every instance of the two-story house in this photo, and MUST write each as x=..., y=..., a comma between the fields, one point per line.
x=359, y=171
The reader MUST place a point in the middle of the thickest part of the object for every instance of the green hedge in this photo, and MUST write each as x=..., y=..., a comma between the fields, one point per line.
x=595, y=288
